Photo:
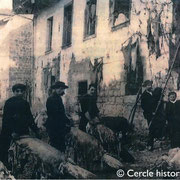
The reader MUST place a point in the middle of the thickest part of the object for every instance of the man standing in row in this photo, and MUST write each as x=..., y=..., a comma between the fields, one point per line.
x=147, y=101
x=58, y=125
x=17, y=119
x=170, y=112
x=90, y=111
x=147, y=106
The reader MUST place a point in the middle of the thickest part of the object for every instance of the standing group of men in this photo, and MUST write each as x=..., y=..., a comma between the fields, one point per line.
x=18, y=120
x=163, y=118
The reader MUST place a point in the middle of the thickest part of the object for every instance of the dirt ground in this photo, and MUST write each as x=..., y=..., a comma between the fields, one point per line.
x=144, y=159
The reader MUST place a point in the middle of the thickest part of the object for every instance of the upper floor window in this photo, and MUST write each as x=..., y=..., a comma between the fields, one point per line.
x=119, y=11
x=67, y=29
x=90, y=18
x=49, y=33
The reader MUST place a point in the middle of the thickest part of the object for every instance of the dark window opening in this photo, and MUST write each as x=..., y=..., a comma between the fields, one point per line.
x=119, y=11
x=49, y=33
x=90, y=18
x=82, y=88
x=67, y=29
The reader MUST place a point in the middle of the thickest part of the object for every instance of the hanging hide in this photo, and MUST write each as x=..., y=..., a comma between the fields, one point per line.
x=156, y=30
x=134, y=48
x=127, y=54
x=153, y=35
x=97, y=73
x=133, y=65
x=45, y=77
x=130, y=53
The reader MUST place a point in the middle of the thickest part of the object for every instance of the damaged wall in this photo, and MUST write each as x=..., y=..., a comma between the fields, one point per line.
x=145, y=36
x=16, y=54
x=21, y=53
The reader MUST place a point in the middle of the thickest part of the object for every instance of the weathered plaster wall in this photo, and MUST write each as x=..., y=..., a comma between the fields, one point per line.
x=16, y=54
x=106, y=44
x=21, y=53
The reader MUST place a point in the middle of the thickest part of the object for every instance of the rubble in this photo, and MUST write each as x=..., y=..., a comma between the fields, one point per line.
x=4, y=173
x=170, y=161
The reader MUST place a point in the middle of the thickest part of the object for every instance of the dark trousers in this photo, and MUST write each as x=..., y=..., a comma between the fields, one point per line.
x=150, y=139
x=83, y=123
x=57, y=141
x=4, y=147
x=175, y=139
x=148, y=117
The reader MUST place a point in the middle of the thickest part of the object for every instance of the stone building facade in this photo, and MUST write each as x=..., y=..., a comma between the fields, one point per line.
x=16, y=54
x=116, y=44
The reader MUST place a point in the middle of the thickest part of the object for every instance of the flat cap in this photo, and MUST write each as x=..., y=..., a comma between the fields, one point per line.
x=19, y=86
x=147, y=82
x=59, y=84
x=172, y=93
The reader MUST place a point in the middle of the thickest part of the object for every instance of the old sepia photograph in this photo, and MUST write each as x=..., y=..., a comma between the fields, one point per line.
x=89, y=89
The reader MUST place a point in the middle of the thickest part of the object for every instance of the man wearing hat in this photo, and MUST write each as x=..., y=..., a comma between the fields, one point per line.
x=147, y=100
x=57, y=123
x=17, y=119
x=147, y=105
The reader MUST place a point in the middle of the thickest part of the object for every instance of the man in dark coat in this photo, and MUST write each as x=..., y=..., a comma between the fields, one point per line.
x=147, y=106
x=170, y=112
x=90, y=111
x=17, y=119
x=174, y=120
x=157, y=127
x=57, y=123
x=147, y=101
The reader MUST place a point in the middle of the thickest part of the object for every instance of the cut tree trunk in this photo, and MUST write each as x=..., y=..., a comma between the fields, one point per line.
x=33, y=159
x=87, y=152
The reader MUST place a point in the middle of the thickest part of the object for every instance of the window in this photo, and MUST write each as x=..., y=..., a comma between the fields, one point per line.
x=49, y=33
x=82, y=88
x=90, y=18
x=119, y=11
x=67, y=30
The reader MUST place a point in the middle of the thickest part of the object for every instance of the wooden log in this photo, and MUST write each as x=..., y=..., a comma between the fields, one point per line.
x=32, y=158
x=78, y=172
x=88, y=152
x=112, y=162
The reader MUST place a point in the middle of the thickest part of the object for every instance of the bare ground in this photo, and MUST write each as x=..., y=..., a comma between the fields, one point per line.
x=144, y=160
